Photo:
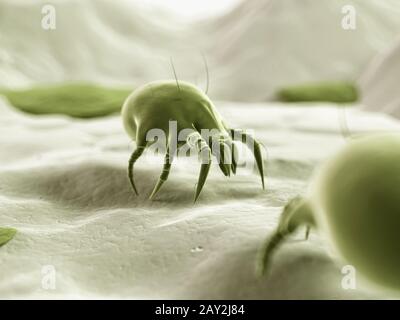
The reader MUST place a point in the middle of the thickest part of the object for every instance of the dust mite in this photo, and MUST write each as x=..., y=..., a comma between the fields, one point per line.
x=353, y=201
x=155, y=104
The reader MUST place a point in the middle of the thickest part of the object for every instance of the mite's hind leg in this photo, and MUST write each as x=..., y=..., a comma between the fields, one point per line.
x=195, y=140
x=141, y=146
x=221, y=149
x=231, y=155
x=234, y=157
x=164, y=174
x=254, y=146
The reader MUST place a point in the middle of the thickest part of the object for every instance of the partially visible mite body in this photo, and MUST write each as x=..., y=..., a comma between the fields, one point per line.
x=156, y=104
x=354, y=201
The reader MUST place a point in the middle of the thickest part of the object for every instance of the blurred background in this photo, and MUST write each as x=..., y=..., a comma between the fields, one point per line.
x=253, y=48
x=300, y=74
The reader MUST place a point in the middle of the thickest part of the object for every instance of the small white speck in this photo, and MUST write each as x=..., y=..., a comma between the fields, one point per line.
x=197, y=249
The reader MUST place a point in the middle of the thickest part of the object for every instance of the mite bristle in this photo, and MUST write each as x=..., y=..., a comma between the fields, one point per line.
x=207, y=72
x=344, y=128
x=176, y=78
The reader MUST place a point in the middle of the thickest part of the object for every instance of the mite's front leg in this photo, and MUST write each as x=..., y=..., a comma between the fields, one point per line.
x=196, y=141
x=169, y=156
x=135, y=155
x=254, y=146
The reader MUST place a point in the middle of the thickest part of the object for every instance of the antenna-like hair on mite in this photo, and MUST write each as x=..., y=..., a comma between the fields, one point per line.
x=207, y=73
x=344, y=127
x=173, y=69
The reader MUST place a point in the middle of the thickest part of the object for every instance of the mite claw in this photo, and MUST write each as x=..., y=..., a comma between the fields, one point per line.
x=156, y=189
x=225, y=168
x=205, y=168
x=254, y=146
x=164, y=174
x=224, y=157
x=234, y=158
x=135, y=155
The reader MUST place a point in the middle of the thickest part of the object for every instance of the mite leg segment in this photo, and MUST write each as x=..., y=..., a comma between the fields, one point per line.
x=234, y=157
x=254, y=146
x=221, y=149
x=135, y=155
x=164, y=174
x=195, y=140
x=308, y=228
x=297, y=212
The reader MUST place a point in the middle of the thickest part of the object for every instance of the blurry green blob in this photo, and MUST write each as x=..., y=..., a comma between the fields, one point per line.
x=6, y=234
x=73, y=99
x=354, y=203
x=338, y=92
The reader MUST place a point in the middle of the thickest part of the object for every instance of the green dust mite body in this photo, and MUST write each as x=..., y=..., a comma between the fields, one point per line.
x=354, y=201
x=156, y=104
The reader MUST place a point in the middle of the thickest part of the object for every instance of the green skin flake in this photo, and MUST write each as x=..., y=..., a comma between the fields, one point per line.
x=6, y=234
x=78, y=100
x=336, y=92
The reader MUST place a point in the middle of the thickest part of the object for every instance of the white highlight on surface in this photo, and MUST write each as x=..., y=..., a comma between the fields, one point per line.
x=192, y=9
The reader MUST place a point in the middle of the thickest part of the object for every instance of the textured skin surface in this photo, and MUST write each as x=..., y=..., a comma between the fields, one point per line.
x=63, y=185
